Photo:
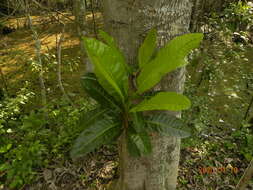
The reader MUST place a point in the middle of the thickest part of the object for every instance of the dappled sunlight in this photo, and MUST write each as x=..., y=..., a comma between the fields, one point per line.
x=64, y=128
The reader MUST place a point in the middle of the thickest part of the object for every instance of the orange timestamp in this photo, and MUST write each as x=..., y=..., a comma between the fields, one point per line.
x=212, y=170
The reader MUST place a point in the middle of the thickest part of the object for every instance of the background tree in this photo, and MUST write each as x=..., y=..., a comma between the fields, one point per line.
x=128, y=22
x=79, y=11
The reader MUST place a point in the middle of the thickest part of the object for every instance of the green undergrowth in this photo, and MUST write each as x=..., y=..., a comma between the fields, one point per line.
x=219, y=84
x=36, y=139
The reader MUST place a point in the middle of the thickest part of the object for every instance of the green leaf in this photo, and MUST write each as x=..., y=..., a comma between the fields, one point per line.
x=103, y=131
x=95, y=90
x=147, y=48
x=131, y=146
x=138, y=122
x=139, y=144
x=5, y=166
x=90, y=117
x=107, y=38
x=169, y=58
x=5, y=148
x=164, y=101
x=168, y=125
x=109, y=68
x=138, y=141
x=111, y=42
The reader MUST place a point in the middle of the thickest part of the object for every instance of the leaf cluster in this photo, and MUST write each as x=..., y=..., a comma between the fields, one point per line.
x=121, y=105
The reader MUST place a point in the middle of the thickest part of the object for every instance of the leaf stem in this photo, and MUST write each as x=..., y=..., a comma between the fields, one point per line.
x=125, y=120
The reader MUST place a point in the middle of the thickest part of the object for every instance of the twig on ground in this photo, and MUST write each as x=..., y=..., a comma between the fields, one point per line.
x=248, y=109
x=244, y=181
x=4, y=81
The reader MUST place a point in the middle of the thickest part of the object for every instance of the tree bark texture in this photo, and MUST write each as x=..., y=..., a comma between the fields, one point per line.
x=128, y=21
x=79, y=11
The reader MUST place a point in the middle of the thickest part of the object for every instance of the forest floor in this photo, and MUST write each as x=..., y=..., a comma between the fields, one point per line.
x=17, y=53
x=212, y=159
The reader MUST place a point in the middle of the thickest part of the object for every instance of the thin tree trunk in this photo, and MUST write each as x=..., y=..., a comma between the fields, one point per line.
x=197, y=12
x=79, y=10
x=248, y=109
x=4, y=82
x=41, y=78
x=128, y=22
x=85, y=2
x=38, y=56
x=93, y=18
x=59, y=58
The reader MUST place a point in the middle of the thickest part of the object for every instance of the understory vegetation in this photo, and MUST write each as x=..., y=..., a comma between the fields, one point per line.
x=36, y=137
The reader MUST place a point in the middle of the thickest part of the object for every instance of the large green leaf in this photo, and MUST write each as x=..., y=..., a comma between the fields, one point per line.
x=168, y=125
x=109, y=68
x=139, y=144
x=107, y=38
x=169, y=58
x=137, y=138
x=103, y=131
x=111, y=42
x=147, y=48
x=131, y=146
x=88, y=118
x=95, y=90
x=164, y=101
x=138, y=121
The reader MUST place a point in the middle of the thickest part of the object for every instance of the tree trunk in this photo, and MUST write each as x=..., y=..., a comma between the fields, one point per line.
x=128, y=21
x=79, y=10
x=197, y=13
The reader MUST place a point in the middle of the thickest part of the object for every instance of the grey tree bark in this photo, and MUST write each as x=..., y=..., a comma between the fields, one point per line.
x=128, y=21
x=59, y=66
x=38, y=56
x=197, y=12
x=79, y=11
